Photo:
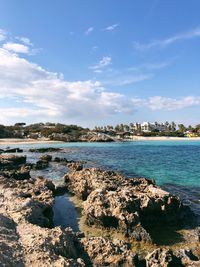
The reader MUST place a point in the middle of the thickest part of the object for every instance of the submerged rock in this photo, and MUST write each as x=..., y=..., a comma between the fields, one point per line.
x=45, y=149
x=11, y=161
x=40, y=165
x=46, y=158
x=11, y=150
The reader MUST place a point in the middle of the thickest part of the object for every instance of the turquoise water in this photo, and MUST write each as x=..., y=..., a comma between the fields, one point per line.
x=175, y=165
x=174, y=162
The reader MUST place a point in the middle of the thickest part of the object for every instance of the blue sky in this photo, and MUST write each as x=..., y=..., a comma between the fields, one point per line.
x=98, y=62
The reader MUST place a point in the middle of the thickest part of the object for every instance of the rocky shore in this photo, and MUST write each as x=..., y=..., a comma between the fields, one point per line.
x=130, y=206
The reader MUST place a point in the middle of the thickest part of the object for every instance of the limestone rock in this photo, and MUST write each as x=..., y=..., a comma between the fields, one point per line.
x=167, y=258
x=129, y=205
x=103, y=252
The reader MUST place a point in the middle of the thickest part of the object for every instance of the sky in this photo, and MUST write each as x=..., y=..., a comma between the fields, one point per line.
x=99, y=62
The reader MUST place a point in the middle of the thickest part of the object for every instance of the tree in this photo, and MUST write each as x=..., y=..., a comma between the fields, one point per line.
x=166, y=126
x=126, y=128
x=181, y=128
x=190, y=128
x=197, y=128
x=117, y=127
x=173, y=126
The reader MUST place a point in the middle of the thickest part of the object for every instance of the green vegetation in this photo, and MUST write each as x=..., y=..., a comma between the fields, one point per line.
x=63, y=132
x=155, y=129
x=54, y=131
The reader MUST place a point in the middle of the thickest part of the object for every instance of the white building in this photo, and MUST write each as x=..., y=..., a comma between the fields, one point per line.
x=148, y=127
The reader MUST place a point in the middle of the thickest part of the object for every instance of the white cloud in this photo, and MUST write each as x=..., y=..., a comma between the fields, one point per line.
x=104, y=62
x=46, y=95
x=89, y=30
x=24, y=40
x=17, y=48
x=168, y=41
x=2, y=35
x=111, y=27
x=167, y=103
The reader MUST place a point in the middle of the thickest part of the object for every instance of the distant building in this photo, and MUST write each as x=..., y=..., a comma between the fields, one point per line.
x=148, y=127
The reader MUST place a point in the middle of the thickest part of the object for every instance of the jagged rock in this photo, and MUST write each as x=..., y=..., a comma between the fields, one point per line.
x=187, y=258
x=96, y=137
x=76, y=166
x=129, y=205
x=167, y=258
x=162, y=257
x=24, y=243
x=46, y=158
x=10, y=248
x=49, y=247
x=83, y=182
x=197, y=234
x=32, y=200
x=103, y=252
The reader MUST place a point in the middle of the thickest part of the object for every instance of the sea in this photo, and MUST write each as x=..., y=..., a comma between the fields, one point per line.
x=174, y=165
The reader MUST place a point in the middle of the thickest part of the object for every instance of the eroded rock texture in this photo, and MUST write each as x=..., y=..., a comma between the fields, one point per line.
x=129, y=205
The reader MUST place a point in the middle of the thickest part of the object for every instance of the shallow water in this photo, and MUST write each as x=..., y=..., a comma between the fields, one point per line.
x=174, y=162
x=65, y=214
x=175, y=165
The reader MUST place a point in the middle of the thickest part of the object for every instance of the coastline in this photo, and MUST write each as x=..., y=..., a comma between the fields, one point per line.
x=16, y=141
x=164, y=138
x=96, y=228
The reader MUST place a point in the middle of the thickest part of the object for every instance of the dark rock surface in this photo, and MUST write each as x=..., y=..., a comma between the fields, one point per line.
x=11, y=150
x=45, y=149
x=11, y=161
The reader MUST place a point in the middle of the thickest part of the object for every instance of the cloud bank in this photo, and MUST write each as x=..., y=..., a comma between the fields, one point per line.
x=49, y=96
x=29, y=92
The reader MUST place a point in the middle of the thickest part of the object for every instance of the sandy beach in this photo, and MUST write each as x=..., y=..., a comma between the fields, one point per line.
x=13, y=141
x=163, y=138
x=16, y=141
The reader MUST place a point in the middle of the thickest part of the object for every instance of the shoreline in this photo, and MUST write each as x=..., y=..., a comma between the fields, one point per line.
x=15, y=141
x=164, y=138
x=95, y=217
